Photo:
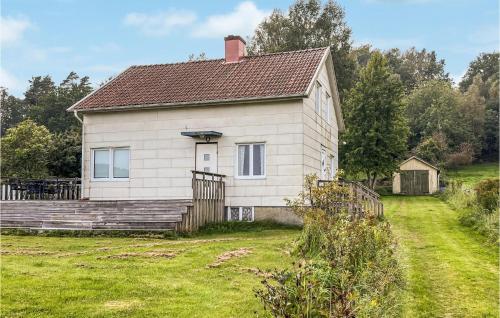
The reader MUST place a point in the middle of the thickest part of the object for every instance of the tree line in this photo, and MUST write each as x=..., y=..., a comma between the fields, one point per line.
x=39, y=137
x=395, y=103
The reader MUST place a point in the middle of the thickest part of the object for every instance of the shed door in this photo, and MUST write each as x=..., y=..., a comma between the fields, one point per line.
x=414, y=181
x=206, y=157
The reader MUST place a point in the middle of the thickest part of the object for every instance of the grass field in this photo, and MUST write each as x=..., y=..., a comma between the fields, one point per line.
x=470, y=175
x=127, y=277
x=450, y=271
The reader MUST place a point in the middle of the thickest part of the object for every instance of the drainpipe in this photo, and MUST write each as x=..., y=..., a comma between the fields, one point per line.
x=83, y=152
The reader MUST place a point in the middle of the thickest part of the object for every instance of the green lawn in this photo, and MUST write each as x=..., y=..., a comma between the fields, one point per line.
x=451, y=272
x=470, y=175
x=127, y=277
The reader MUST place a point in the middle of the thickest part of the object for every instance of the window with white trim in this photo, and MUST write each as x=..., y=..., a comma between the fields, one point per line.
x=251, y=160
x=323, y=164
x=333, y=170
x=317, y=101
x=329, y=108
x=110, y=163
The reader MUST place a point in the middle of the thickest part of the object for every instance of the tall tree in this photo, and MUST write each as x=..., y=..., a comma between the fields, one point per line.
x=12, y=110
x=64, y=159
x=413, y=67
x=435, y=107
x=25, y=150
x=308, y=24
x=50, y=109
x=39, y=88
x=376, y=129
x=485, y=65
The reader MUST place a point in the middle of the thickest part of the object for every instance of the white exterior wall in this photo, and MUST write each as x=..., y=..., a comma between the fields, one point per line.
x=318, y=132
x=415, y=164
x=161, y=159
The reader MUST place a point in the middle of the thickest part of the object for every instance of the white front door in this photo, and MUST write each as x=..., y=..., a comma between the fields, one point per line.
x=206, y=157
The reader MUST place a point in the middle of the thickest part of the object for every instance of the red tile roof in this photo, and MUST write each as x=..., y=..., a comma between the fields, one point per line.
x=255, y=77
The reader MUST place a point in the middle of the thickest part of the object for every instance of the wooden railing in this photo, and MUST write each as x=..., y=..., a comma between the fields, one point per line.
x=361, y=199
x=208, y=201
x=13, y=189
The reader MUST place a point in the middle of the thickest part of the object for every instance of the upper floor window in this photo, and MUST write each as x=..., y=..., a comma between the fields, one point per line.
x=251, y=160
x=110, y=163
x=329, y=109
x=317, y=100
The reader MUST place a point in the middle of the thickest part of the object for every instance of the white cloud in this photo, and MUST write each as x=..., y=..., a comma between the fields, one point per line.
x=8, y=80
x=242, y=21
x=159, y=24
x=38, y=54
x=457, y=78
x=12, y=29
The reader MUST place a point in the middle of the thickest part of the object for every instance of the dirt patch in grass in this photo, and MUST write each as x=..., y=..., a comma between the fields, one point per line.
x=26, y=252
x=221, y=259
x=156, y=254
x=121, y=304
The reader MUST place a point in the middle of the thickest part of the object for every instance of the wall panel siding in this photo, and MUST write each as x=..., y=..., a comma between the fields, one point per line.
x=318, y=131
x=161, y=159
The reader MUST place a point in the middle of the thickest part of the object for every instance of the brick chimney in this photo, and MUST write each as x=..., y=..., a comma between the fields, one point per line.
x=235, y=48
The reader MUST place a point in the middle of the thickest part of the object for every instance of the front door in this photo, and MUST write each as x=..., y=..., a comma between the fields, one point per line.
x=206, y=157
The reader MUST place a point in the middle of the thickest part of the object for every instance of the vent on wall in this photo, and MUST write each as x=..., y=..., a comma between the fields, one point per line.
x=240, y=213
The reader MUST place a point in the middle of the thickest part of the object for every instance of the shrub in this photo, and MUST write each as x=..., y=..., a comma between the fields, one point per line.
x=346, y=266
x=487, y=194
x=476, y=209
x=25, y=150
x=463, y=156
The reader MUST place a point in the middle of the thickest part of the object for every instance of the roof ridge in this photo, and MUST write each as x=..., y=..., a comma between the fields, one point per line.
x=177, y=63
x=322, y=48
x=222, y=59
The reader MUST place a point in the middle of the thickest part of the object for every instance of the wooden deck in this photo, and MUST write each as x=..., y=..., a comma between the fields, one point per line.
x=54, y=204
x=94, y=215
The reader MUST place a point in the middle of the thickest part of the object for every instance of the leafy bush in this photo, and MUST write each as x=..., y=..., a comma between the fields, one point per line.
x=463, y=156
x=346, y=265
x=487, y=194
x=477, y=208
x=25, y=150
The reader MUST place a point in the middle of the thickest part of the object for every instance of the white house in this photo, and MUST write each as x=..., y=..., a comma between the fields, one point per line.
x=263, y=121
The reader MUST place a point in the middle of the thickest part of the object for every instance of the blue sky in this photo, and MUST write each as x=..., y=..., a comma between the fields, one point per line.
x=101, y=38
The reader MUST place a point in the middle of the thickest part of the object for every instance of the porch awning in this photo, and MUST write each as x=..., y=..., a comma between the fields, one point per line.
x=201, y=134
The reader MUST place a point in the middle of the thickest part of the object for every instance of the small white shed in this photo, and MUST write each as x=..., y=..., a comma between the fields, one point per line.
x=416, y=176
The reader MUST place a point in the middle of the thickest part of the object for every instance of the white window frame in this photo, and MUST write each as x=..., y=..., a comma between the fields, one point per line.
x=332, y=171
x=318, y=97
x=251, y=176
x=323, y=167
x=240, y=217
x=328, y=108
x=111, y=153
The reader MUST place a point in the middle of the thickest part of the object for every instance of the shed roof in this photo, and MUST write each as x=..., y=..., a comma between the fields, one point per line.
x=421, y=160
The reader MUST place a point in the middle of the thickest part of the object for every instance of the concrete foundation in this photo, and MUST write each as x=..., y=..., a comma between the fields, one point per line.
x=278, y=214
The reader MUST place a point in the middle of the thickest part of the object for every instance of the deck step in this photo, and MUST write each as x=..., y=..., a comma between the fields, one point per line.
x=88, y=215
